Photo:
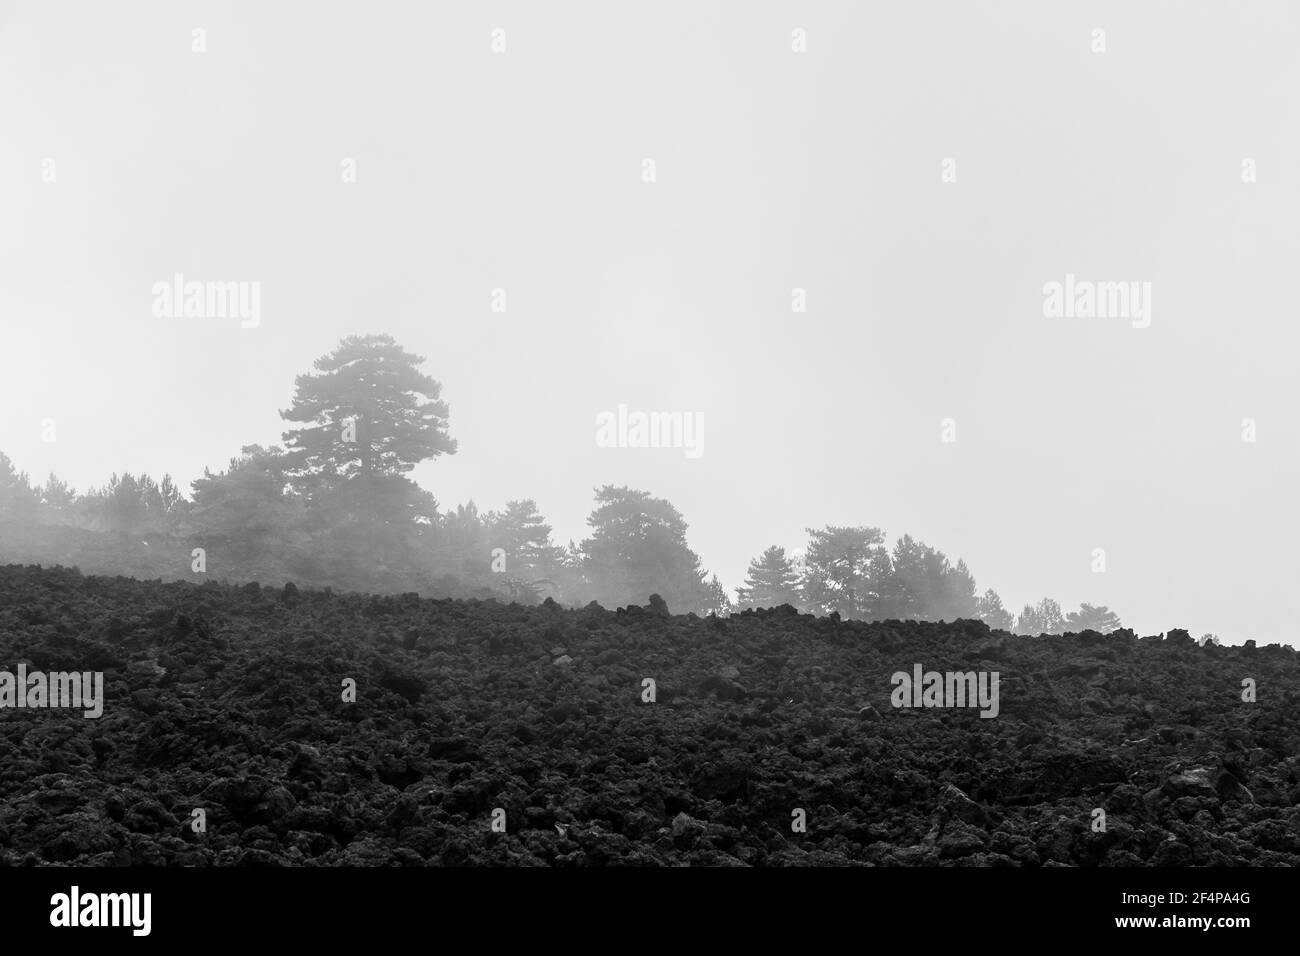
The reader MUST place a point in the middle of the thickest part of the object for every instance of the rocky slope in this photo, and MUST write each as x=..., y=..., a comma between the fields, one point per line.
x=230, y=700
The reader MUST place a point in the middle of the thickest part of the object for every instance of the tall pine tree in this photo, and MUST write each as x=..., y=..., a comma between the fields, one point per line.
x=770, y=581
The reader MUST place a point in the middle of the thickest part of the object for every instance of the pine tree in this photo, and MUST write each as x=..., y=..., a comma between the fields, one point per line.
x=368, y=411
x=18, y=499
x=838, y=567
x=247, y=510
x=638, y=548
x=924, y=586
x=960, y=601
x=525, y=537
x=770, y=581
x=56, y=495
x=1043, y=618
x=717, y=602
x=132, y=505
x=992, y=613
x=1088, y=618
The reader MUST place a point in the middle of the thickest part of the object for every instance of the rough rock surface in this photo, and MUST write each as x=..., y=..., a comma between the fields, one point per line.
x=230, y=700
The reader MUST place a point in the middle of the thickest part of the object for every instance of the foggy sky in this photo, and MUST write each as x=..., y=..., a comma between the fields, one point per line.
x=775, y=170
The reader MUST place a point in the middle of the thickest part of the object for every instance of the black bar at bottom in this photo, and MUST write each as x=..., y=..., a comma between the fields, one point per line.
x=328, y=907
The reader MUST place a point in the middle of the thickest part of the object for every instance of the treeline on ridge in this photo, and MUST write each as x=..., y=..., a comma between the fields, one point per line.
x=333, y=507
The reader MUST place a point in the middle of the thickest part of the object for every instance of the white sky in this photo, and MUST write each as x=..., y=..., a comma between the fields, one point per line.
x=775, y=170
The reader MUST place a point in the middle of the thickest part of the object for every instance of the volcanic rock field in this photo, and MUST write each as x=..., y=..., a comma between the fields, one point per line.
x=771, y=739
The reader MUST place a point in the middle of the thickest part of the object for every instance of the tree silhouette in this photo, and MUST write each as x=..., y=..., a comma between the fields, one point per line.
x=57, y=496
x=991, y=612
x=1044, y=618
x=132, y=505
x=770, y=581
x=638, y=548
x=369, y=410
x=525, y=537
x=247, y=509
x=1088, y=618
x=842, y=570
x=18, y=500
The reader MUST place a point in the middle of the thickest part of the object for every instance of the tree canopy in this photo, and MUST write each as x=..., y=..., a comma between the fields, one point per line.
x=368, y=410
x=638, y=547
x=772, y=580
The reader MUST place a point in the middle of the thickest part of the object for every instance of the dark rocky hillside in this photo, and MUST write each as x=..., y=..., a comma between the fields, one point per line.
x=229, y=699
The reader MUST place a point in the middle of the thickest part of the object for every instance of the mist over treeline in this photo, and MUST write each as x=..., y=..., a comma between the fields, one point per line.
x=333, y=507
